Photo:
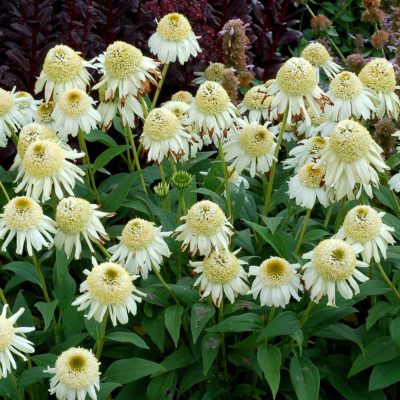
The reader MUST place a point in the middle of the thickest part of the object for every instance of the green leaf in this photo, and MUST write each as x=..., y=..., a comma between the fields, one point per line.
x=104, y=158
x=378, y=311
x=380, y=350
x=127, y=337
x=33, y=375
x=162, y=387
x=394, y=329
x=238, y=323
x=209, y=350
x=105, y=389
x=384, y=375
x=191, y=377
x=24, y=270
x=44, y=360
x=284, y=323
x=97, y=135
x=270, y=360
x=200, y=315
x=315, y=234
x=180, y=358
x=173, y=316
x=271, y=223
x=155, y=327
x=114, y=200
x=305, y=378
x=339, y=331
x=47, y=311
x=131, y=369
x=63, y=284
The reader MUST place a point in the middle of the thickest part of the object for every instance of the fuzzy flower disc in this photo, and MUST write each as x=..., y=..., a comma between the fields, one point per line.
x=174, y=27
x=211, y=98
x=73, y=215
x=362, y=223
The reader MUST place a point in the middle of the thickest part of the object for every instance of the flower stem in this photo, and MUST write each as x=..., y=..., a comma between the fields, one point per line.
x=396, y=202
x=328, y=216
x=165, y=284
x=16, y=387
x=89, y=171
x=103, y=249
x=307, y=313
x=4, y=191
x=135, y=157
x=339, y=216
x=144, y=107
x=226, y=178
x=223, y=347
x=387, y=280
x=165, y=201
x=303, y=230
x=273, y=167
x=102, y=337
x=160, y=85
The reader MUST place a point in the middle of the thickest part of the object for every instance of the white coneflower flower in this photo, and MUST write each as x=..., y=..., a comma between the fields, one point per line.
x=315, y=128
x=307, y=150
x=44, y=115
x=141, y=247
x=394, y=181
x=236, y=179
x=46, y=166
x=75, y=375
x=257, y=103
x=350, y=98
x=125, y=70
x=307, y=186
x=174, y=39
x=326, y=128
x=333, y=264
x=76, y=217
x=296, y=83
x=108, y=287
x=289, y=134
x=27, y=105
x=212, y=112
x=251, y=147
x=221, y=273
x=179, y=108
x=317, y=55
x=214, y=72
x=379, y=76
x=206, y=227
x=73, y=111
x=11, y=342
x=351, y=158
x=364, y=225
x=23, y=219
x=11, y=117
x=183, y=96
x=63, y=69
x=277, y=281
x=164, y=136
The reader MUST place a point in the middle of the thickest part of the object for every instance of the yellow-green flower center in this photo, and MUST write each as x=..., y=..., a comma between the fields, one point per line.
x=256, y=98
x=316, y=54
x=73, y=215
x=379, y=75
x=6, y=101
x=221, y=268
x=297, y=77
x=161, y=124
x=362, y=224
x=62, y=64
x=22, y=213
x=256, y=140
x=138, y=234
x=334, y=260
x=31, y=133
x=44, y=113
x=6, y=333
x=109, y=283
x=74, y=102
x=205, y=218
x=350, y=141
x=310, y=177
x=275, y=272
x=122, y=60
x=214, y=72
x=345, y=85
x=43, y=158
x=182, y=95
x=211, y=98
x=174, y=27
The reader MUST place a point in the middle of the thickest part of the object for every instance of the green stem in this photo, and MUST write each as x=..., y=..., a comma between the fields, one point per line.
x=182, y=210
x=339, y=217
x=226, y=179
x=128, y=156
x=328, y=216
x=14, y=137
x=165, y=202
x=223, y=346
x=307, y=313
x=303, y=230
x=144, y=107
x=135, y=157
x=3, y=299
x=4, y=191
x=160, y=85
x=15, y=384
x=387, y=280
x=396, y=202
x=165, y=284
x=378, y=33
x=105, y=252
x=273, y=167
x=89, y=171
x=102, y=337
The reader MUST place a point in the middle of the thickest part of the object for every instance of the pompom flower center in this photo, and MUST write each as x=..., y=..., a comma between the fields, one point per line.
x=183, y=96
x=316, y=54
x=221, y=268
x=345, y=85
x=62, y=64
x=161, y=124
x=362, y=223
x=122, y=60
x=350, y=141
x=43, y=158
x=6, y=101
x=275, y=272
x=6, y=333
x=379, y=75
x=44, y=112
x=297, y=77
x=214, y=72
x=31, y=133
x=22, y=213
x=73, y=215
x=74, y=102
x=310, y=177
x=211, y=98
x=256, y=140
x=334, y=260
x=137, y=234
x=174, y=27
x=205, y=218
x=256, y=99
